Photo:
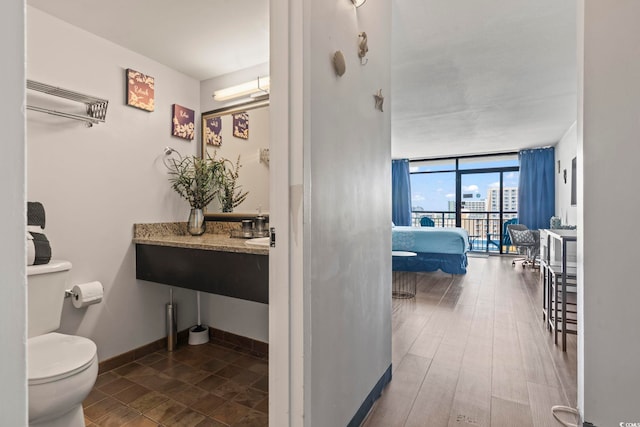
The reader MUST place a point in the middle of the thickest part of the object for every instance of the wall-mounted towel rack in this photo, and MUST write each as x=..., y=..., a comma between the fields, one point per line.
x=96, y=107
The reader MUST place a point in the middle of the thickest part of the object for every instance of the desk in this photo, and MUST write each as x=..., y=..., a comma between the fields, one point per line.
x=556, y=264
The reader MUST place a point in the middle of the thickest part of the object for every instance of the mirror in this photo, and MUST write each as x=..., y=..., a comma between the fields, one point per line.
x=240, y=130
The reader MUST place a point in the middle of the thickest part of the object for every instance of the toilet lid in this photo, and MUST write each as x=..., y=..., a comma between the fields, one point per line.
x=55, y=356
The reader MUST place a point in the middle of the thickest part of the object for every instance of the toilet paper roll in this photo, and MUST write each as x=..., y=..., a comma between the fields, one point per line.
x=87, y=294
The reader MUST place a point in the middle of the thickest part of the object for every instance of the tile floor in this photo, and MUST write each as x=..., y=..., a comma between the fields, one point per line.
x=204, y=385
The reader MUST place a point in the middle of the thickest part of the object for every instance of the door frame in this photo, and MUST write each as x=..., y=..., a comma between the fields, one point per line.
x=286, y=136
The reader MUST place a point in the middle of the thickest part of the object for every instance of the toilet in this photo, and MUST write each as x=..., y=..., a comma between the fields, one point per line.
x=62, y=368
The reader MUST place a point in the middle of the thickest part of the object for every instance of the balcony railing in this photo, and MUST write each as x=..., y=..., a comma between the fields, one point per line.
x=484, y=228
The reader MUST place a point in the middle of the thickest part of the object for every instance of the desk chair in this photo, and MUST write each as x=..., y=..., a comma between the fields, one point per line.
x=526, y=241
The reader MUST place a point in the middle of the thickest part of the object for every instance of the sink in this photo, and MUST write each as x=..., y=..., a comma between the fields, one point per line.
x=260, y=241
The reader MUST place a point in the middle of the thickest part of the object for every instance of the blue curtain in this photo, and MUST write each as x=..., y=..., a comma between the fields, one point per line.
x=536, y=189
x=401, y=192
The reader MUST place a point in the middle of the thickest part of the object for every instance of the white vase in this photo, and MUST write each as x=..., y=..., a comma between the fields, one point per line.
x=196, y=225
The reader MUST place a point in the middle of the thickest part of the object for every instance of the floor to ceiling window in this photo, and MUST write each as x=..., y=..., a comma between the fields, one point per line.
x=477, y=193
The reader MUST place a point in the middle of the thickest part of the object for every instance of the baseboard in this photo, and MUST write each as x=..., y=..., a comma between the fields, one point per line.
x=227, y=339
x=375, y=393
x=217, y=336
x=140, y=352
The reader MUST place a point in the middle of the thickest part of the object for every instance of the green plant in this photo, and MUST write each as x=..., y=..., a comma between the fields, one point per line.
x=231, y=194
x=195, y=179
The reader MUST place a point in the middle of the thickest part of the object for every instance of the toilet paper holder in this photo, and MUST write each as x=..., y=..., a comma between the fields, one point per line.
x=69, y=293
x=85, y=294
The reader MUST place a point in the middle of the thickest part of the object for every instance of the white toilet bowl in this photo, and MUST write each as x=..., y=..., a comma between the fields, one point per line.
x=62, y=372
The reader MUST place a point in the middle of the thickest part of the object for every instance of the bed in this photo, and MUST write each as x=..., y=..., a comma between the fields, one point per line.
x=443, y=248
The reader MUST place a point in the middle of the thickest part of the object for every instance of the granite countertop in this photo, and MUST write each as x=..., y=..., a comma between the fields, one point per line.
x=216, y=238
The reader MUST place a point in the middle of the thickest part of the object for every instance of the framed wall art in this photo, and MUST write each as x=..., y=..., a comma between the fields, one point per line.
x=241, y=125
x=140, y=90
x=212, y=130
x=183, y=122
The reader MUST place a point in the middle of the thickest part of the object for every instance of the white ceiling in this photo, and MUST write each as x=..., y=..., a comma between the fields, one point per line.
x=476, y=76
x=481, y=76
x=200, y=38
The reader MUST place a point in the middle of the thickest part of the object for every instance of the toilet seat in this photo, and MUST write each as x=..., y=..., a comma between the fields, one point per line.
x=55, y=356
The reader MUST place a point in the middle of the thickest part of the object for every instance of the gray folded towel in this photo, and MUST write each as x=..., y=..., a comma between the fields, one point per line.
x=41, y=249
x=35, y=214
x=38, y=246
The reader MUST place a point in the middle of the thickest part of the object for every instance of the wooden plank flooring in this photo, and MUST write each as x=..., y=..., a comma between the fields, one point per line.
x=472, y=350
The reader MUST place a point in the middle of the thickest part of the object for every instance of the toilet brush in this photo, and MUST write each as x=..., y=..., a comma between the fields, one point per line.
x=198, y=334
x=199, y=327
x=172, y=323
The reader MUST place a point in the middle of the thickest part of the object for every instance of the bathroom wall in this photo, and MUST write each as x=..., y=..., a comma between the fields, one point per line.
x=13, y=324
x=97, y=182
x=565, y=151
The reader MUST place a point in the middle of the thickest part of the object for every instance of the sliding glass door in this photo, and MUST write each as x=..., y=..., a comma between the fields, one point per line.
x=488, y=200
x=478, y=215
x=479, y=194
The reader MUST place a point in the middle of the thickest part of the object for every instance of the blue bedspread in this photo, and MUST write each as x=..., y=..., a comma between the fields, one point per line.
x=442, y=240
x=437, y=248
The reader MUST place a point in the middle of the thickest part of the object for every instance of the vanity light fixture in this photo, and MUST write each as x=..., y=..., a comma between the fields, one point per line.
x=358, y=3
x=257, y=87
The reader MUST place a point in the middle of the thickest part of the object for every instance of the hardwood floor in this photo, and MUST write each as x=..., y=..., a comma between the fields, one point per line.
x=473, y=350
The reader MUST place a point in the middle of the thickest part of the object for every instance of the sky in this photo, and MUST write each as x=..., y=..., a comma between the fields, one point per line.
x=433, y=191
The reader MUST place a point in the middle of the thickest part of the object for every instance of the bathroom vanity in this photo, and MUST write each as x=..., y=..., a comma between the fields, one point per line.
x=212, y=262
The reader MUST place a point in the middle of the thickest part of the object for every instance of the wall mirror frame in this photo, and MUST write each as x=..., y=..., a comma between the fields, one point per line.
x=232, y=109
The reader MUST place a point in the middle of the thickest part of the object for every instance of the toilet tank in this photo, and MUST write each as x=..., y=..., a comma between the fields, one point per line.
x=46, y=284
